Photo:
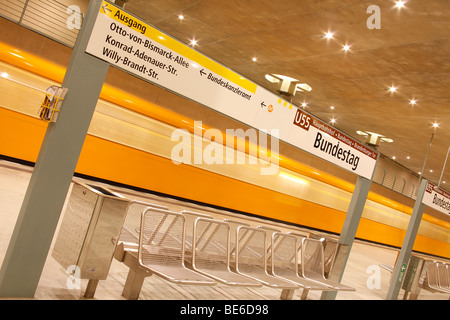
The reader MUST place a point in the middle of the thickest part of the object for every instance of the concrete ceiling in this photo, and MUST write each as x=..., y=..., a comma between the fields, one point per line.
x=410, y=51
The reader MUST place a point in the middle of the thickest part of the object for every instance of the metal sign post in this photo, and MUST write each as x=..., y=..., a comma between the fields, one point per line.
x=408, y=242
x=348, y=232
x=428, y=195
x=53, y=172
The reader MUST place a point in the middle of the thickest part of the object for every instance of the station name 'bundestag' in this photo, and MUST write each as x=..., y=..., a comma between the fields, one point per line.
x=228, y=86
x=443, y=203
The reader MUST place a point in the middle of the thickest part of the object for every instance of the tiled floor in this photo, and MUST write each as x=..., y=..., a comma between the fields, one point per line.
x=362, y=271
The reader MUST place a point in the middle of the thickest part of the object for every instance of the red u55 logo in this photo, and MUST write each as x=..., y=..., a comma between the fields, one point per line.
x=302, y=120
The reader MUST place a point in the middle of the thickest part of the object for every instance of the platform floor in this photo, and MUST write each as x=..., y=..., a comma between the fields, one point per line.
x=362, y=269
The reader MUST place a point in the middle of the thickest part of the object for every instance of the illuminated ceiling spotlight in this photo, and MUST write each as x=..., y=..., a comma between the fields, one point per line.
x=333, y=120
x=392, y=89
x=287, y=85
x=374, y=139
x=304, y=104
x=328, y=35
x=254, y=59
x=412, y=102
x=400, y=4
x=193, y=42
x=435, y=125
x=180, y=17
x=346, y=47
x=332, y=107
x=4, y=75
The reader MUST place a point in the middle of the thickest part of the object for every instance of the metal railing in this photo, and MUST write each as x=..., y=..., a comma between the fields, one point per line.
x=47, y=17
x=389, y=179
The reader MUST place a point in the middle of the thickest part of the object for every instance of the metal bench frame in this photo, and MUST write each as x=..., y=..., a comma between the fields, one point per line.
x=128, y=245
x=432, y=279
x=314, y=270
x=285, y=265
x=222, y=245
x=211, y=253
x=256, y=254
x=161, y=252
x=130, y=229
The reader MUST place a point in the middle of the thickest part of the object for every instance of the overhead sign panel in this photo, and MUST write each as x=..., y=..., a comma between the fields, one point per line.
x=436, y=198
x=133, y=45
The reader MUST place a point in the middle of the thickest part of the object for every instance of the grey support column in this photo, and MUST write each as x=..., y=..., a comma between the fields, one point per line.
x=52, y=175
x=408, y=243
x=348, y=232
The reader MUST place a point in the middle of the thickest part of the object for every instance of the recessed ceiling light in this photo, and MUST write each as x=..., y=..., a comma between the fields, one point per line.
x=332, y=107
x=181, y=17
x=408, y=157
x=399, y=4
x=333, y=120
x=193, y=42
x=328, y=35
x=412, y=101
x=304, y=104
x=431, y=171
x=5, y=75
x=435, y=125
x=392, y=89
x=394, y=157
x=346, y=47
x=254, y=59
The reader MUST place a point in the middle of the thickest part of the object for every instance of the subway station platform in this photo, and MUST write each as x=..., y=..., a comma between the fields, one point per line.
x=363, y=270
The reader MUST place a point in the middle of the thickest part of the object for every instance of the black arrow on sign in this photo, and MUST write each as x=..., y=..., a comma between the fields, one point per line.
x=202, y=72
x=262, y=104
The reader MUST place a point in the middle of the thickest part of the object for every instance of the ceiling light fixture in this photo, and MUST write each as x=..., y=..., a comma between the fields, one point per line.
x=180, y=17
x=332, y=107
x=328, y=35
x=193, y=42
x=333, y=120
x=374, y=139
x=304, y=104
x=399, y=4
x=435, y=125
x=287, y=85
x=392, y=89
x=254, y=59
x=412, y=101
x=346, y=47
x=5, y=75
